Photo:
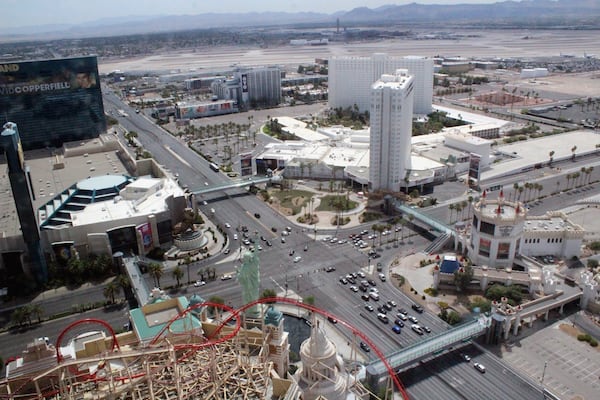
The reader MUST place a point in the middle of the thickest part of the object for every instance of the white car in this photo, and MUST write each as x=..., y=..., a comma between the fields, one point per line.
x=354, y=289
x=479, y=367
x=235, y=236
x=227, y=225
x=199, y=283
x=297, y=259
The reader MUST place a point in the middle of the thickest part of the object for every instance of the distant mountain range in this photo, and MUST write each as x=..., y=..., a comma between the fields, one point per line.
x=526, y=13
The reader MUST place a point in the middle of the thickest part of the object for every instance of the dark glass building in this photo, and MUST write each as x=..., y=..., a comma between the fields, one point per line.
x=52, y=101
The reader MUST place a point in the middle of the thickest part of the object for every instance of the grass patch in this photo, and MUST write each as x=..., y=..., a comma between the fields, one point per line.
x=369, y=216
x=293, y=199
x=329, y=202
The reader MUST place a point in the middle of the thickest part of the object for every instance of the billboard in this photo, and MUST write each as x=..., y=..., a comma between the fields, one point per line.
x=244, y=83
x=145, y=232
x=474, y=166
x=52, y=101
x=246, y=164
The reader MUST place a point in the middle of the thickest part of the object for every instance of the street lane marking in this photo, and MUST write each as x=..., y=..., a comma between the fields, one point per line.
x=177, y=156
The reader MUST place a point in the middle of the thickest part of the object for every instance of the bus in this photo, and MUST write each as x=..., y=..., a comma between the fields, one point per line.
x=214, y=167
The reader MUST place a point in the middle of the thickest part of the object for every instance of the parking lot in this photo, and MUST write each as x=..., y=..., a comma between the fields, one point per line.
x=570, y=368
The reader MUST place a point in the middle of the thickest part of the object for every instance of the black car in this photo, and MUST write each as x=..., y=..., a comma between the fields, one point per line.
x=417, y=308
x=329, y=269
x=372, y=282
x=365, y=347
x=256, y=215
x=382, y=310
x=388, y=306
x=268, y=243
x=365, y=297
x=332, y=320
x=399, y=322
x=273, y=229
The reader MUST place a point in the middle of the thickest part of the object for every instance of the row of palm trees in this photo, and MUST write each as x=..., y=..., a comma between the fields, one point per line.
x=157, y=270
x=529, y=191
x=460, y=208
x=24, y=314
x=399, y=220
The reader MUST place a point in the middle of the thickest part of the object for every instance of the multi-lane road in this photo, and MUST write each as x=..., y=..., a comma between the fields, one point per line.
x=435, y=379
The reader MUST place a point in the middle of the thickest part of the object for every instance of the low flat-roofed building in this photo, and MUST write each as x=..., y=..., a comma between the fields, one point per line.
x=298, y=128
x=551, y=234
x=525, y=155
x=84, y=204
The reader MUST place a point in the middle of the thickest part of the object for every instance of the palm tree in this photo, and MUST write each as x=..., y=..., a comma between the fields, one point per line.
x=515, y=188
x=551, y=155
x=187, y=261
x=110, y=291
x=177, y=274
x=37, y=310
x=463, y=205
x=19, y=316
x=451, y=207
x=573, y=149
x=520, y=192
x=156, y=271
x=374, y=228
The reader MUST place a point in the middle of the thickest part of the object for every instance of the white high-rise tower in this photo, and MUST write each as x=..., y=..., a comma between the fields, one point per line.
x=391, y=130
x=350, y=79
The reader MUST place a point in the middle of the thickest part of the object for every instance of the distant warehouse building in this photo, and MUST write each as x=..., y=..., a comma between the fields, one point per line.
x=205, y=109
x=528, y=73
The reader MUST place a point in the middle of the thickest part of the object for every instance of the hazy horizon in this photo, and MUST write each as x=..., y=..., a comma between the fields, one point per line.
x=24, y=13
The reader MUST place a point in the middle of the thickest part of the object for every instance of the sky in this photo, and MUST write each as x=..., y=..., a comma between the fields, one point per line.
x=22, y=13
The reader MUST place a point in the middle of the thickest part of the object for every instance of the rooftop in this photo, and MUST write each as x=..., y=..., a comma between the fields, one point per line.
x=54, y=170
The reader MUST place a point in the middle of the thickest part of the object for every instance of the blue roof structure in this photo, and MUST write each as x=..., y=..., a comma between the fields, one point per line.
x=449, y=265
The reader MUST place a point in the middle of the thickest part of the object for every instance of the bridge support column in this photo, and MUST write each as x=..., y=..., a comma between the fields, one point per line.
x=531, y=319
x=546, y=315
x=517, y=325
x=562, y=309
x=507, y=324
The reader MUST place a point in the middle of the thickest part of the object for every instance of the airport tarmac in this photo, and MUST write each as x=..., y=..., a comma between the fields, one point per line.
x=475, y=43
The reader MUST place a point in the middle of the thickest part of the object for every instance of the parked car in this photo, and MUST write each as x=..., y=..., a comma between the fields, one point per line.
x=297, y=259
x=396, y=329
x=365, y=347
x=256, y=215
x=365, y=297
x=369, y=308
x=354, y=289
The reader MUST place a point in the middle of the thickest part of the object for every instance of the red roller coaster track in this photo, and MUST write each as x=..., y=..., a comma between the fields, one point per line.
x=234, y=314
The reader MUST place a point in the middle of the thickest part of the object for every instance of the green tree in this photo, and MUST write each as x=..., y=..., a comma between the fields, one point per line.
x=177, y=274
x=37, y=310
x=111, y=290
x=310, y=300
x=483, y=304
x=268, y=293
x=19, y=316
x=463, y=277
x=187, y=261
x=215, y=300
x=156, y=270
x=592, y=263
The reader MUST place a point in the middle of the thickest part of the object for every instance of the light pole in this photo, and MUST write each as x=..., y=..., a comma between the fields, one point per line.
x=543, y=375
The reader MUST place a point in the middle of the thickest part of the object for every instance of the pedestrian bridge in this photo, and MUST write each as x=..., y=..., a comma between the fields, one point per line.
x=426, y=219
x=233, y=184
x=433, y=345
